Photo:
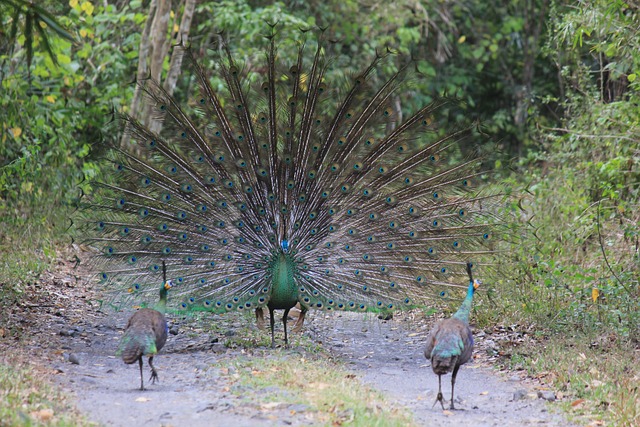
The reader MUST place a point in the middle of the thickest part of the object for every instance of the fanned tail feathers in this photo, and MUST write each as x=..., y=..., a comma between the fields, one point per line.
x=375, y=212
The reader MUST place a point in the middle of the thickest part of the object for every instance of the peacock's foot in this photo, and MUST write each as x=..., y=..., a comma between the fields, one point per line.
x=440, y=399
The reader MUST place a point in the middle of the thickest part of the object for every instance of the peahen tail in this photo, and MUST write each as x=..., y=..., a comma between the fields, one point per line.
x=276, y=184
x=135, y=344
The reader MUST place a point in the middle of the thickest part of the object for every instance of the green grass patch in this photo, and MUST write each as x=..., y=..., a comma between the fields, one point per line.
x=331, y=395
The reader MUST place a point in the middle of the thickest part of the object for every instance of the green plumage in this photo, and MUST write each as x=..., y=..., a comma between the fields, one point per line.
x=272, y=185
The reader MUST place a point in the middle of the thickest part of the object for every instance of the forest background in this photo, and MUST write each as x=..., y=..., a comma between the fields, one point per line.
x=554, y=82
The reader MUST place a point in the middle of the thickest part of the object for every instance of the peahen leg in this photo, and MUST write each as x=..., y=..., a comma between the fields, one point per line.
x=272, y=320
x=284, y=322
x=439, y=398
x=453, y=383
x=141, y=377
x=154, y=374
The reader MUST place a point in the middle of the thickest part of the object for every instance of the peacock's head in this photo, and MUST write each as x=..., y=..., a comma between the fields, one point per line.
x=476, y=284
x=168, y=285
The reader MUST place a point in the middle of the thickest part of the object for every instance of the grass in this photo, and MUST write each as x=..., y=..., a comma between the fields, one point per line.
x=331, y=395
x=28, y=399
x=598, y=379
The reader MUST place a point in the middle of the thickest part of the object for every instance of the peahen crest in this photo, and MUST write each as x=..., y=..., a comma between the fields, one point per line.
x=274, y=185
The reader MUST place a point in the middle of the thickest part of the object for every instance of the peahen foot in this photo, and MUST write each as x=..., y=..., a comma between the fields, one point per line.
x=440, y=399
x=154, y=376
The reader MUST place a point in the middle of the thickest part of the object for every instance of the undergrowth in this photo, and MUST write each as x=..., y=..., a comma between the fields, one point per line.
x=595, y=376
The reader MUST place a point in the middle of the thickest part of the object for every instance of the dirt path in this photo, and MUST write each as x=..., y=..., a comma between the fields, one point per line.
x=67, y=332
x=389, y=355
x=194, y=392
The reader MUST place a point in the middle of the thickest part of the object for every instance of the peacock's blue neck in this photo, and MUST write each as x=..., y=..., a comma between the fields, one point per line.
x=464, y=310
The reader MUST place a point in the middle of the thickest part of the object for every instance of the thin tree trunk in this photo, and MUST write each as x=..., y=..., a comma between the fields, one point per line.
x=143, y=71
x=175, y=63
x=154, y=47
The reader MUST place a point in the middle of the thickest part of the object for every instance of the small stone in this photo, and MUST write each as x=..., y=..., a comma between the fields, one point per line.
x=73, y=358
x=519, y=394
x=229, y=333
x=300, y=407
x=514, y=378
x=67, y=333
x=547, y=395
x=173, y=330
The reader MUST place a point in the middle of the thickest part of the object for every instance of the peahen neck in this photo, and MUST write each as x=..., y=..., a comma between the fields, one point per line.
x=161, y=305
x=464, y=310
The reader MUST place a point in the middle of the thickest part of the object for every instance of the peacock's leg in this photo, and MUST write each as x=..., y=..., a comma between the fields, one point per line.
x=272, y=321
x=453, y=382
x=284, y=322
x=141, y=377
x=439, y=398
x=260, y=318
x=297, y=327
x=154, y=374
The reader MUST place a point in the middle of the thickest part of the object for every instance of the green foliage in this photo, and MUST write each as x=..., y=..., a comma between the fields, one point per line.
x=579, y=260
x=51, y=122
x=37, y=20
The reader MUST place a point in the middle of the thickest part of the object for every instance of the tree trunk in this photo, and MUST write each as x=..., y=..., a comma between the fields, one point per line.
x=155, y=44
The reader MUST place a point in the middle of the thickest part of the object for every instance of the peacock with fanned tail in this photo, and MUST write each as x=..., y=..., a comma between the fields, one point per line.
x=274, y=187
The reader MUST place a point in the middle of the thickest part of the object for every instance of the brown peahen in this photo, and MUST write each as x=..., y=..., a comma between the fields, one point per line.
x=450, y=342
x=274, y=185
x=146, y=333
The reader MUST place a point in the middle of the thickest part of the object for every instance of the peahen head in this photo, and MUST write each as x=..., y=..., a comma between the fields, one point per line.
x=473, y=283
x=165, y=287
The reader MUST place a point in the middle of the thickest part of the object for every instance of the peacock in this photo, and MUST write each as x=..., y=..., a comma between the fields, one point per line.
x=146, y=333
x=450, y=342
x=282, y=183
